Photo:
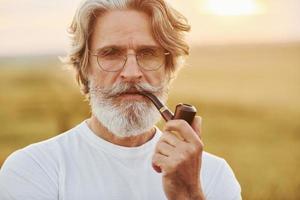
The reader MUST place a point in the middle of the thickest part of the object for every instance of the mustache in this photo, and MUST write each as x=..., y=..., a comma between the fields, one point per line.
x=128, y=88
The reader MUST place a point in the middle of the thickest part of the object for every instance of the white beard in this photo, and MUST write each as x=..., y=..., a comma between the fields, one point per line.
x=125, y=118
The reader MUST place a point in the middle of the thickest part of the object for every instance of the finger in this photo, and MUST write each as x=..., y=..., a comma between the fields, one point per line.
x=177, y=135
x=197, y=125
x=170, y=138
x=164, y=149
x=183, y=128
x=158, y=161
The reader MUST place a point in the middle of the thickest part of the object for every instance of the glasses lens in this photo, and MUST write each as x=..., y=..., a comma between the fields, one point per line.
x=111, y=65
x=111, y=59
x=151, y=59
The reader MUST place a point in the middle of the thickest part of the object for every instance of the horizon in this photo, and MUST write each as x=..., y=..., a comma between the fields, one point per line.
x=235, y=22
x=243, y=46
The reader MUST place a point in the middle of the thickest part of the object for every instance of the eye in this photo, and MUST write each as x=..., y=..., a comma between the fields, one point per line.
x=109, y=53
x=149, y=52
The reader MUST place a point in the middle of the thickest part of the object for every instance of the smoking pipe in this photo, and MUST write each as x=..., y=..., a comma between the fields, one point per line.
x=183, y=111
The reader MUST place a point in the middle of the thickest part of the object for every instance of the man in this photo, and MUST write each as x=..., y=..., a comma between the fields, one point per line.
x=119, y=48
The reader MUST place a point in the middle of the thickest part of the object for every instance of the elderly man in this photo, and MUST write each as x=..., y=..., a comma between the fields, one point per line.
x=120, y=48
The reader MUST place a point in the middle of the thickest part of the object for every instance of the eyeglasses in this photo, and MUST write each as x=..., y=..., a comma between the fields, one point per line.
x=113, y=59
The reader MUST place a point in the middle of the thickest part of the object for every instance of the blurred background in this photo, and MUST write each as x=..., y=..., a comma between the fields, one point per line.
x=243, y=75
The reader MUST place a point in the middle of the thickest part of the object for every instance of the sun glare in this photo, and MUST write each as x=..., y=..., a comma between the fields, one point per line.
x=232, y=7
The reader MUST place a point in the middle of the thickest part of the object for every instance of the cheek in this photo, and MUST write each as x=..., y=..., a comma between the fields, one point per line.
x=156, y=78
x=100, y=77
x=104, y=79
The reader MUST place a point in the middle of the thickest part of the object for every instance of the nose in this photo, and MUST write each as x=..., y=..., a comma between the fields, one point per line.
x=131, y=70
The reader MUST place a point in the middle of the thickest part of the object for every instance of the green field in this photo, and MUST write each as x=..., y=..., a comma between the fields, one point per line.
x=248, y=96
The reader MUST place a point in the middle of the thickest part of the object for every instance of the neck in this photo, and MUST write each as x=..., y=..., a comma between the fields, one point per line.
x=132, y=141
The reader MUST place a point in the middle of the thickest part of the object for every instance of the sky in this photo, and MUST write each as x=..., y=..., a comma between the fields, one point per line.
x=39, y=27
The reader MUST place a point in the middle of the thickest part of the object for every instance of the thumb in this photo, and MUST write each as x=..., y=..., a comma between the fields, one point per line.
x=197, y=125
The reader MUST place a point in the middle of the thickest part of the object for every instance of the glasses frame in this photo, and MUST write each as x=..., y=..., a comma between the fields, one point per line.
x=125, y=61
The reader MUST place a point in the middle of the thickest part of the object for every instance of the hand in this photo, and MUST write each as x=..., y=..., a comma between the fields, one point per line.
x=179, y=159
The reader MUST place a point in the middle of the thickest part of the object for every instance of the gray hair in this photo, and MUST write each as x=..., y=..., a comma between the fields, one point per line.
x=168, y=27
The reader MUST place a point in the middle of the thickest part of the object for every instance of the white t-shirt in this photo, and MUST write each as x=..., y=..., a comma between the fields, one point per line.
x=80, y=165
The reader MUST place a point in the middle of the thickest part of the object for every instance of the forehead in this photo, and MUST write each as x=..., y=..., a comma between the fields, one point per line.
x=127, y=28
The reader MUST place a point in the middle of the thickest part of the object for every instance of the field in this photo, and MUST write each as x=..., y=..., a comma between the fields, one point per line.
x=248, y=96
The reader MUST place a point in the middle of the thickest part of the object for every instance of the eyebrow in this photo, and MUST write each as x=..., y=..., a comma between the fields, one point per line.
x=125, y=47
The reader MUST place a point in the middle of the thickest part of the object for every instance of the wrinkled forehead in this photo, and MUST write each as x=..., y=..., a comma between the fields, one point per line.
x=127, y=28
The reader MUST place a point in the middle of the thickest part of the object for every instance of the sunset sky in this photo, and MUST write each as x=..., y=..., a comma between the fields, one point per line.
x=39, y=27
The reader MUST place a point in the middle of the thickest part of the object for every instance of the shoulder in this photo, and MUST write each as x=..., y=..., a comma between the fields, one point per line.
x=46, y=150
x=218, y=178
x=30, y=157
x=23, y=175
x=42, y=154
x=212, y=163
x=33, y=171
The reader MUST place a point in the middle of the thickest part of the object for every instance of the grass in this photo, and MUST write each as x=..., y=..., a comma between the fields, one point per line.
x=248, y=97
